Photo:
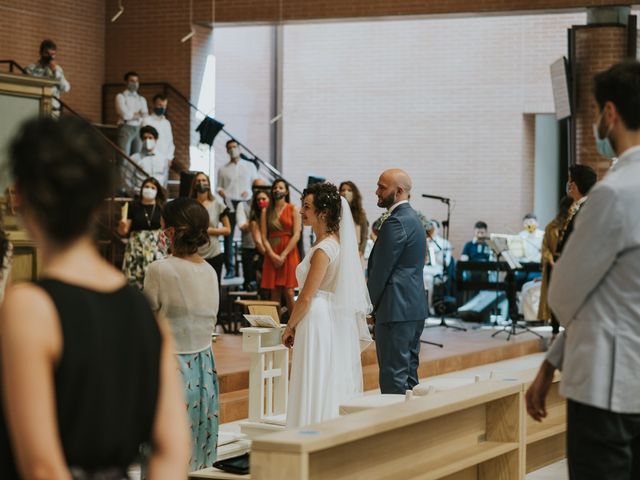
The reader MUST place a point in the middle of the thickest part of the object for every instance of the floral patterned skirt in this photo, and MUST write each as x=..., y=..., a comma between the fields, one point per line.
x=200, y=380
x=143, y=248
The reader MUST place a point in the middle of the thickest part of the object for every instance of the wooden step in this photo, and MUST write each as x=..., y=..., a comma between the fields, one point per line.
x=234, y=406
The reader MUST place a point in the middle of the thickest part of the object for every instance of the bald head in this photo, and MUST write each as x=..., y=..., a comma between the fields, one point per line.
x=259, y=182
x=394, y=185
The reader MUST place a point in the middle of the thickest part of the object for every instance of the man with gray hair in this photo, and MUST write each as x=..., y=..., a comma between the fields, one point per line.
x=396, y=285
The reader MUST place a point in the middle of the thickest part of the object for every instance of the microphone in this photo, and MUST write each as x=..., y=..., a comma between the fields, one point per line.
x=435, y=197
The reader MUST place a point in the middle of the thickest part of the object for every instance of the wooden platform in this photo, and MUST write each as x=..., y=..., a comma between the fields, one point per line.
x=461, y=350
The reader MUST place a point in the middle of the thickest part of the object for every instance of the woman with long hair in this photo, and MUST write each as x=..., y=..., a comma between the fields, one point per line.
x=218, y=214
x=179, y=289
x=280, y=229
x=350, y=191
x=143, y=227
x=88, y=374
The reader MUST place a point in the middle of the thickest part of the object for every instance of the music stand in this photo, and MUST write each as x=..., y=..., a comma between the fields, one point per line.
x=501, y=251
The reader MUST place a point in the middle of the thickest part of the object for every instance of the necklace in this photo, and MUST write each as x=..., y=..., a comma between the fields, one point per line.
x=147, y=216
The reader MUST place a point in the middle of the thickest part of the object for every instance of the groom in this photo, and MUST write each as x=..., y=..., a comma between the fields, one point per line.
x=396, y=286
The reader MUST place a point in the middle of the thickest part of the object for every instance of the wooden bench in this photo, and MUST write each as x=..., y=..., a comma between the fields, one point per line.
x=475, y=433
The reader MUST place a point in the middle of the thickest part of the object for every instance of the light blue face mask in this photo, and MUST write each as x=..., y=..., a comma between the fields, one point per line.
x=604, y=144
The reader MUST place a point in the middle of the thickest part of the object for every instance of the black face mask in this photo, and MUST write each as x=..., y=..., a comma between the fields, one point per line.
x=46, y=59
x=202, y=187
x=278, y=195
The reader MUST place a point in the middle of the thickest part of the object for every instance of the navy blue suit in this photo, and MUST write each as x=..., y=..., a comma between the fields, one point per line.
x=399, y=302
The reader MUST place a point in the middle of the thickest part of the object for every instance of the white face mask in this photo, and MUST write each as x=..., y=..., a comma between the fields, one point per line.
x=149, y=144
x=149, y=193
x=234, y=152
x=348, y=195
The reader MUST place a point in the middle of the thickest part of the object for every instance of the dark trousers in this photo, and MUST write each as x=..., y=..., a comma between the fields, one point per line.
x=216, y=263
x=249, y=262
x=602, y=445
x=398, y=351
x=229, y=258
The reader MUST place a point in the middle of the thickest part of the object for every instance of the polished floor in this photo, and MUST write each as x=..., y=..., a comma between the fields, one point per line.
x=461, y=350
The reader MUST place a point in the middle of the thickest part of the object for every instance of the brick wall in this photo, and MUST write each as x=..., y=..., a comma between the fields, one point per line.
x=146, y=38
x=443, y=98
x=597, y=48
x=79, y=32
x=251, y=11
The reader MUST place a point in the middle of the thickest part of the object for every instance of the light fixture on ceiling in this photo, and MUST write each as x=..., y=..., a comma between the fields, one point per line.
x=192, y=32
x=119, y=12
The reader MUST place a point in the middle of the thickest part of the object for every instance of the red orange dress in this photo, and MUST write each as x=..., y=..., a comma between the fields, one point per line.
x=284, y=276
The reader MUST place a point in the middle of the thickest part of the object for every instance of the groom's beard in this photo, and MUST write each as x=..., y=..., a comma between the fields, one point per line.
x=387, y=201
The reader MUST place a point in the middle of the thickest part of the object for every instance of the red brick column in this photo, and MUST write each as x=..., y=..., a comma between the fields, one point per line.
x=597, y=47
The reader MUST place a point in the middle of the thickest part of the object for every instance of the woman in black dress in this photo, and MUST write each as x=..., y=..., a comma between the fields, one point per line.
x=143, y=227
x=88, y=375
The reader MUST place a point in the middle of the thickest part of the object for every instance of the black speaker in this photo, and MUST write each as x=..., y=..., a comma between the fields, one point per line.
x=315, y=179
x=186, y=179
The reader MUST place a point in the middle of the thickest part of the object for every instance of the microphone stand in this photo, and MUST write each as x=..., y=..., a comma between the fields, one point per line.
x=445, y=265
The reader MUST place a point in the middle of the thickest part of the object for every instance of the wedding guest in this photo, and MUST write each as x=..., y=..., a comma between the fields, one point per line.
x=549, y=252
x=248, y=219
x=152, y=159
x=218, y=214
x=158, y=120
x=143, y=227
x=350, y=191
x=131, y=109
x=179, y=289
x=88, y=374
x=234, y=186
x=47, y=67
x=280, y=229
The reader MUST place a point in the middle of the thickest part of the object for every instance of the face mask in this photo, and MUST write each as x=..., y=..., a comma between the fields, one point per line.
x=149, y=193
x=46, y=59
x=159, y=111
x=149, y=144
x=278, y=195
x=202, y=187
x=603, y=145
x=263, y=204
x=234, y=152
x=348, y=195
x=133, y=86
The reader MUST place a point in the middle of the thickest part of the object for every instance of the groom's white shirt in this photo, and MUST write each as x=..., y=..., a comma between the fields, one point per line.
x=393, y=207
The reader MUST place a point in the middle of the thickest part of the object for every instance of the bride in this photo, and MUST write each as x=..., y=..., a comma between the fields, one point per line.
x=328, y=322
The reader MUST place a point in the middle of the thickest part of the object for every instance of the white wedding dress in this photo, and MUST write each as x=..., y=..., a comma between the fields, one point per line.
x=310, y=400
x=326, y=369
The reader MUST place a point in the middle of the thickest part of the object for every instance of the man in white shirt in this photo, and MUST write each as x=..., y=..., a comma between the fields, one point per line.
x=234, y=186
x=47, y=67
x=531, y=239
x=131, y=109
x=149, y=159
x=159, y=121
x=595, y=295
